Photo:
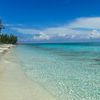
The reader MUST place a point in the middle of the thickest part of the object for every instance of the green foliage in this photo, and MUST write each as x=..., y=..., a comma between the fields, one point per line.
x=1, y=25
x=8, y=39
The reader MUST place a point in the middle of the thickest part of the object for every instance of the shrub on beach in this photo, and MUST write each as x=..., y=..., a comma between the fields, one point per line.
x=8, y=39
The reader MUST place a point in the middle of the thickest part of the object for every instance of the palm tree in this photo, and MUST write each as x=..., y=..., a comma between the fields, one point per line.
x=1, y=26
x=5, y=38
x=8, y=39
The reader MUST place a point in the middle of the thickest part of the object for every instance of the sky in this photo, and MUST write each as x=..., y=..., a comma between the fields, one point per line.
x=51, y=20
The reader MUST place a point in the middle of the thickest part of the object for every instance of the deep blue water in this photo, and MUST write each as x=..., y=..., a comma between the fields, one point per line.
x=68, y=71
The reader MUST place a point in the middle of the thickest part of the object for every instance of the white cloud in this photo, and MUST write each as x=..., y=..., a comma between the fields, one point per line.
x=95, y=34
x=9, y=25
x=90, y=22
x=13, y=25
x=73, y=30
x=25, y=30
x=42, y=36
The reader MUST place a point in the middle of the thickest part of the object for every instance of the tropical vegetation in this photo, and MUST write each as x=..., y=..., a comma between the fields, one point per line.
x=8, y=39
x=5, y=38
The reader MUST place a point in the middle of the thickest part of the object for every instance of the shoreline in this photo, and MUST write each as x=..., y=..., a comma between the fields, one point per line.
x=14, y=85
x=5, y=47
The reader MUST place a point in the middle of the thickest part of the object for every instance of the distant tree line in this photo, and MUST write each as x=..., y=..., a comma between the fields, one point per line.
x=5, y=38
x=8, y=39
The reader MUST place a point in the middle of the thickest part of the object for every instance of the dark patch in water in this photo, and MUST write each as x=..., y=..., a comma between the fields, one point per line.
x=98, y=59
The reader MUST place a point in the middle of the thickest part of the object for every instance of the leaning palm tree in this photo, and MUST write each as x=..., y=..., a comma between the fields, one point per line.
x=1, y=26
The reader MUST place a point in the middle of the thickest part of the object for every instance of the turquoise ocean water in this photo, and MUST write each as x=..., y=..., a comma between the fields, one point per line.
x=67, y=71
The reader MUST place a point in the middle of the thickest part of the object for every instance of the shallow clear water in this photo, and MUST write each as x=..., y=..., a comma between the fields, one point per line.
x=67, y=71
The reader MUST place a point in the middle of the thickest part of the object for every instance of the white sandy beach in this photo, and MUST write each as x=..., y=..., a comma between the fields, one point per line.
x=14, y=84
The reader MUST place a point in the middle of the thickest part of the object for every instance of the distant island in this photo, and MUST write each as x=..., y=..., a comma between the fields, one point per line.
x=5, y=38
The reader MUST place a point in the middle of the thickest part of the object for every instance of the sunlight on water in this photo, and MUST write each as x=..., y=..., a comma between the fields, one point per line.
x=67, y=71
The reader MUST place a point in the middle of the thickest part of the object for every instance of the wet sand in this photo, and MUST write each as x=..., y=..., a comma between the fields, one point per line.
x=14, y=84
